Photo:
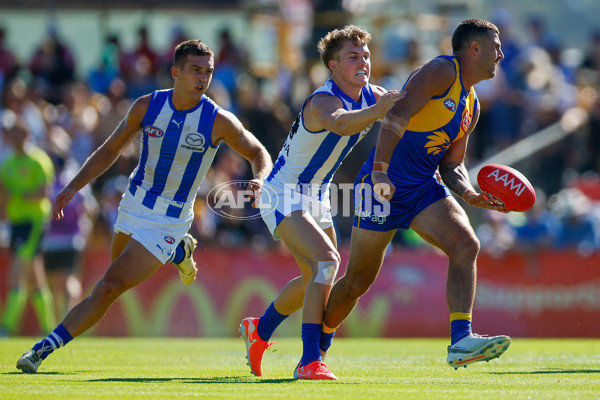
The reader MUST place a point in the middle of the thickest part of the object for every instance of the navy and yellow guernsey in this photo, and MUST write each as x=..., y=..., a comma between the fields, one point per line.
x=442, y=121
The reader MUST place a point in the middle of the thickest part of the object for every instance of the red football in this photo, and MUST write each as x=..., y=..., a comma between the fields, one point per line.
x=507, y=184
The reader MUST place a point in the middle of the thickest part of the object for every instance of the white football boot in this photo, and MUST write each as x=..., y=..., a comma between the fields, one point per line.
x=474, y=347
x=30, y=361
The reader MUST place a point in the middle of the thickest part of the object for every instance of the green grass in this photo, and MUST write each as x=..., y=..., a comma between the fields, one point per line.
x=136, y=368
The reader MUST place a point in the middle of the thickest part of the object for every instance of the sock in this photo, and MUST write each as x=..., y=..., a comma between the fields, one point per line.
x=269, y=321
x=15, y=304
x=58, y=338
x=460, y=326
x=311, y=335
x=326, y=340
x=179, y=254
x=43, y=304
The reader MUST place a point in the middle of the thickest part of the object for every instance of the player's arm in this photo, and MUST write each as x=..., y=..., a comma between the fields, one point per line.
x=456, y=177
x=229, y=129
x=105, y=155
x=431, y=79
x=324, y=111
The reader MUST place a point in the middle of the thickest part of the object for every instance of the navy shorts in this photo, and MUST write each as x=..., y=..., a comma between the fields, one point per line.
x=26, y=237
x=406, y=204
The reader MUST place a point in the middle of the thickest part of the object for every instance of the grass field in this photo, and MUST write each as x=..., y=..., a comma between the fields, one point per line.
x=132, y=368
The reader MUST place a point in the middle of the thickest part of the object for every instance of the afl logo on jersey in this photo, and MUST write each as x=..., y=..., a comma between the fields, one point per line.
x=450, y=104
x=153, y=131
x=169, y=239
x=194, y=142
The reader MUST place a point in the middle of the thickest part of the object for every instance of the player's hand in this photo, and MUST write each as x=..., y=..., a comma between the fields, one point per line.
x=387, y=101
x=383, y=188
x=255, y=185
x=485, y=200
x=62, y=199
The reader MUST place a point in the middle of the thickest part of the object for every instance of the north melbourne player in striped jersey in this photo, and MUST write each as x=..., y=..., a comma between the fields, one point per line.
x=333, y=119
x=181, y=129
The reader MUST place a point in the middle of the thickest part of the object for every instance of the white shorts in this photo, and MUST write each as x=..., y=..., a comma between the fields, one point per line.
x=158, y=233
x=283, y=200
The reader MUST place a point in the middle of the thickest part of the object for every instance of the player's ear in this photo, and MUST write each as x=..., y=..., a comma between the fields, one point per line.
x=174, y=72
x=333, y=65
x=474, y=46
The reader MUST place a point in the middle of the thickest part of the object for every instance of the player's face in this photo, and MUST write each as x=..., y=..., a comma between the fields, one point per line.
x=353, y=63
x=491, y=54
x=194, y=78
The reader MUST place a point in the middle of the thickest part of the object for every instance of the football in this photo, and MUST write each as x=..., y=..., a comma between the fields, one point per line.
x=508, y=185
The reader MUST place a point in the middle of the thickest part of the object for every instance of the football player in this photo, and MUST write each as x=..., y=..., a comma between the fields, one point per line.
x=181, y=130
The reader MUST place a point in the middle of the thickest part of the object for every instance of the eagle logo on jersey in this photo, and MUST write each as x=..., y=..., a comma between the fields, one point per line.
x=450, y=104
x=195, y=142
x=439, y=141
x=153, y=131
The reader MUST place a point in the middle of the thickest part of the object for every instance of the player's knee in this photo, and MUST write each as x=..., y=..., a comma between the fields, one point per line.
x=327, y=269
x=467, y=247
x=109, y=289
x=356, y=286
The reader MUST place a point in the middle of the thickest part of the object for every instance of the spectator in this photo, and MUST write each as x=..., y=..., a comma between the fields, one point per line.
x=578, y=231
x=108, y=67
x=15, y=99
x=495, y=234
x=66, y=239
x=52, y=65
x=540, y=229
x=8, y=61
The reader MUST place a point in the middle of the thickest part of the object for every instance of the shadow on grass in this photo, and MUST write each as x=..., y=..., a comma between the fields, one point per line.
x=217, y=379
x=551, y=371
x=37, y=373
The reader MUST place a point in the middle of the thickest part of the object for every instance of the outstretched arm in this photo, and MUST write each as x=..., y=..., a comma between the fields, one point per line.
x=104, y=156
x=325, y=111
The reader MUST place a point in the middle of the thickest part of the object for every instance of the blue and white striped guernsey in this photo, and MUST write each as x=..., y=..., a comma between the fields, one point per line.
x=309, y=159
x=176, y=153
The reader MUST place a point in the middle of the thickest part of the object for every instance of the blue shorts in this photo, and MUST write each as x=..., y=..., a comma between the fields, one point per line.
x=372, y=215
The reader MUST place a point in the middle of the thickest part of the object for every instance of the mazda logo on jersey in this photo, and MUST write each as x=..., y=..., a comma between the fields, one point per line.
x=450, y=104
x=195, y=142
x=153, y=131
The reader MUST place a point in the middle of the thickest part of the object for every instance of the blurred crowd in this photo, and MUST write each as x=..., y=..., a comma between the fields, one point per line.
x=71, y=112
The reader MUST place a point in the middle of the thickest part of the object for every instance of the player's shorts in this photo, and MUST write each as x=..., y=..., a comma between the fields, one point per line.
x=278, y=201
x=406, y=204
x=61, y=260
x=26, y=237
x=157, y=232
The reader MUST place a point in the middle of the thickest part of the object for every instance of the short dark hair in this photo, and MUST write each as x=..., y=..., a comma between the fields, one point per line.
x=469, y=30
x=190, y=47
x=332, y=42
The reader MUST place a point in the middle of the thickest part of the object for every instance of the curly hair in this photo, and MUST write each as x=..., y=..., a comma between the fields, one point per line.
x=332, y=42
